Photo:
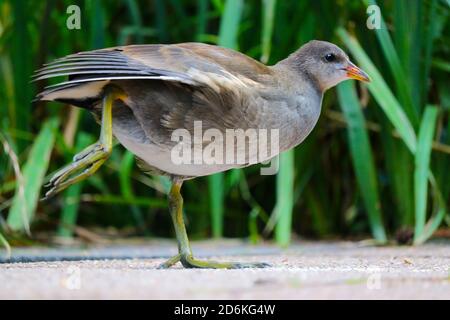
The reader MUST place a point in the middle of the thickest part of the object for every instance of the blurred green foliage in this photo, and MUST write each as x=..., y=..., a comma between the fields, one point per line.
x=377, y=163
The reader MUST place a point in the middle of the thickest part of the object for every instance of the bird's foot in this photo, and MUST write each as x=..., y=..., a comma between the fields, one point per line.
x=190, y=262
x=88, y=160
x=167, y=264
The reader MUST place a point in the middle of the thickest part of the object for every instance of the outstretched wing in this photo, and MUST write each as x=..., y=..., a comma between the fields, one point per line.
x=189, y=63
x=171, y=87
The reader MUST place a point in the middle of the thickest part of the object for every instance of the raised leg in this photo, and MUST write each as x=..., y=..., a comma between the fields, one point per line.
x=184, y=250
x=88, y=161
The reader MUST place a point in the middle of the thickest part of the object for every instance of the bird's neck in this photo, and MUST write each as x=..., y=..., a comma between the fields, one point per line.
x=303, y=106
x=297, y=81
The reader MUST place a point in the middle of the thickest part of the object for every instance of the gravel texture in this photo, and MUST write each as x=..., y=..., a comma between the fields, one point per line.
x=307, y=270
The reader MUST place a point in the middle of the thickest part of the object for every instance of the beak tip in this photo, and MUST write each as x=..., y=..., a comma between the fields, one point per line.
x=353, y=72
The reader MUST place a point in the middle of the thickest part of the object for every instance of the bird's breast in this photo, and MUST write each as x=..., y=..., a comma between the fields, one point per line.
x=296, y=117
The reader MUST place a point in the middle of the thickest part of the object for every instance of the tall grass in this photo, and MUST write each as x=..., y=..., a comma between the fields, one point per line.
x=362, y=157
x=25, y=200
x=376, y=165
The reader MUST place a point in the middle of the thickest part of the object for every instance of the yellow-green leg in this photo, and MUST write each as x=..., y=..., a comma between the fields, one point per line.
x=90, y=159
x=184, y=249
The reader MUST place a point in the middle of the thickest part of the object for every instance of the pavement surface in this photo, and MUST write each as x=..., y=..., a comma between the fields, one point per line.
x=307, y=270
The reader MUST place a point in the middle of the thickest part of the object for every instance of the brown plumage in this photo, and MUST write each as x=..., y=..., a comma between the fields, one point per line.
x=169, y=87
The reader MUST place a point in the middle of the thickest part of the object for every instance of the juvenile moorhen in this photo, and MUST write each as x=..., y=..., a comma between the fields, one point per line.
x=143, y=93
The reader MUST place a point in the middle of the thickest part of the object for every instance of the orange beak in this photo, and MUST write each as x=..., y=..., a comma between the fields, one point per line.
x=353, y=72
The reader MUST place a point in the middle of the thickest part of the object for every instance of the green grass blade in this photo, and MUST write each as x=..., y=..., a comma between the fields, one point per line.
x=233, y=178
x=422, y=169
x=180, y=14
x=9, y=113
x=136, y=18
x=125, y=175
x=33, y=174
x=381, y=92
x=436, y=220
x=217, y=197
x=253, y=226
x=431, y=226
x=399, y=165
x=285, y=198
x=401, y=34
x=72, y=197
x=434, y=30
x=415, y=10
x=22, y=65
x=126, y=168
x=5, y=244
x=97, y=19
x=70, y=211
x=397, y=70
x=441, y=65
x=202, y=18
x=362, y=157
x=110, y=199
x=161, y=21
x=268, y=23
x=319, y=214
x=229, y=24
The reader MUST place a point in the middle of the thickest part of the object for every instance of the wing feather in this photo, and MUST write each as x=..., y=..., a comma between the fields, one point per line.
x=100, y=64
x=191, y=64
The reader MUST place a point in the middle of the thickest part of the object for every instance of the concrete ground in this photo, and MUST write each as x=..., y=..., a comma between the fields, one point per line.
x=307, y=270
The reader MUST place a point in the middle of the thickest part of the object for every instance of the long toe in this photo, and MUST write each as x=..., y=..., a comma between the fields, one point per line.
x=191, y=262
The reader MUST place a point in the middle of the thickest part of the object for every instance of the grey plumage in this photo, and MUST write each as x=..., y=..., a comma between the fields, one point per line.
x=147, y=95
x=171, y=86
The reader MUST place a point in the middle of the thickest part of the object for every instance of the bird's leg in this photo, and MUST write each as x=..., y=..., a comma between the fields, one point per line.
x=184, y=249
x=90, y=159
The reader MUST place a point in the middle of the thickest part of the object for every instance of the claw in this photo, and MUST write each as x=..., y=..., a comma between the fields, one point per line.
x=170, y=262
x=83, y=154
x=90, y=159
x=66, y=177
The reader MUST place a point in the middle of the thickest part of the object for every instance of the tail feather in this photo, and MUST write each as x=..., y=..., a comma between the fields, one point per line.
x=89, y=72
x=83, y=95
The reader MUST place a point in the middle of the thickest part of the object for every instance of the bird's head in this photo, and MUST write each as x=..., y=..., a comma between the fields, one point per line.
x=326, y=64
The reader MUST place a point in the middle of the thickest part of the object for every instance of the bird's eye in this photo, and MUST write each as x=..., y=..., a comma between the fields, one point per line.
x=330, y=57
